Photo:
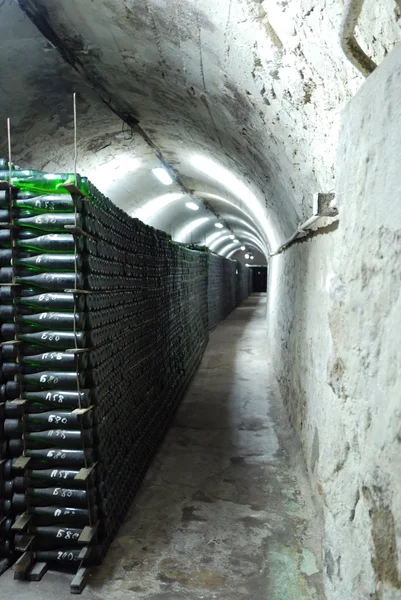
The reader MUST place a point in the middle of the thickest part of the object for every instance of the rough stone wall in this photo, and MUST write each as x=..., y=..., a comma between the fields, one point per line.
x=305, y=79
x=334, y=318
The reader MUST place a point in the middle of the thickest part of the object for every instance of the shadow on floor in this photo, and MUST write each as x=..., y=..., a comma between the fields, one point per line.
x=220, y=514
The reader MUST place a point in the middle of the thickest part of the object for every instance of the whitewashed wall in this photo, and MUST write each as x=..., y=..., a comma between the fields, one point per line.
x=335, y=329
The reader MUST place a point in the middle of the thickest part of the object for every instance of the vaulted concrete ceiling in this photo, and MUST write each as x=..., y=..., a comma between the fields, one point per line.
x=239, y=99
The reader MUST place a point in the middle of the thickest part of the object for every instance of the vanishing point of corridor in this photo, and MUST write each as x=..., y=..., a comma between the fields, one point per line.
x=224, y=511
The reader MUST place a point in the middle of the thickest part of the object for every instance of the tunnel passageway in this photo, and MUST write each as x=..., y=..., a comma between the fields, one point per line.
x=244, y=128
x=224, y=511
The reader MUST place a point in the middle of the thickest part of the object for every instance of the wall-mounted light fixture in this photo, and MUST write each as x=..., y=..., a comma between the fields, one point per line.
x=219, y=225
x=192, y=205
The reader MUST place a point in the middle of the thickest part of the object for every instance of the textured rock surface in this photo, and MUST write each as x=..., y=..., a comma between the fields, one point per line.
x=334, y=322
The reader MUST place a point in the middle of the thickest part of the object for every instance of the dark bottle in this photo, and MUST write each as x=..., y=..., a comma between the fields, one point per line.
x=5, y=257
x=29, y=299
x=53, y=320
x=7, y=312
x=56, y=360
x=4, y=216
x=5, y=526
x=46, y=203
x=59, y=535
x=36, y=432
x=60, y=419
x=67, y=556
x=35, y=422
x=61, y=340
x=57, y=263
x=60, y=496
x=4, y=450
x=15, y=447
x=32, y=343
x=52, y=222
x=54, y=301
x=15, y=411
x=6, y=274
x=52, y=282
x=79, y=517
x=53, y=496
x=55, y=339
x=12, y=351
x=56, y=419
x=6, y=488
x=5, y=548
x=9, y=294
x=19, y=484
x=59, y=438
x=44, y=459
x=10, y=369
x=59, y=398
x=6, y=508
x=66, y=477
x=13, y=389
x=10, y=390
x=55, y=243
x=5, y=236
x=51, y=380
x=39, y=278
x=6, y=469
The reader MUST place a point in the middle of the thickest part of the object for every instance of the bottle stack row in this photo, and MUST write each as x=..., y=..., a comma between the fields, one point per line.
x=103, y=321
x=222, y=288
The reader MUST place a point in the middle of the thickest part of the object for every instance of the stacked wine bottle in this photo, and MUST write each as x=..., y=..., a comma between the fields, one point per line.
x=222, y=288
x=103, y=322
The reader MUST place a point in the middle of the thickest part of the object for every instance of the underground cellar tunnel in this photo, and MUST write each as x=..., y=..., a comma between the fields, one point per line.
x=218, y=442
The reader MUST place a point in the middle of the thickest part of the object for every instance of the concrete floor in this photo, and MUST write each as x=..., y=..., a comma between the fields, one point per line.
x=225, y=511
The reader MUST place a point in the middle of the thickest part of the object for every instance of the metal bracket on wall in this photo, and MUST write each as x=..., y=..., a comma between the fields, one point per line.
x=324, y=205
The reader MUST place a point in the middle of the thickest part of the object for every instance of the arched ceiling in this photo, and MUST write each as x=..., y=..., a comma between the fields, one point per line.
x=239, y=99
